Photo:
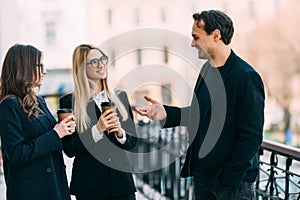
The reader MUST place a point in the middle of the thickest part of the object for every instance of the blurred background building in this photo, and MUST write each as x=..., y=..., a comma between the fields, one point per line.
x=148, y=44
x=265, y=35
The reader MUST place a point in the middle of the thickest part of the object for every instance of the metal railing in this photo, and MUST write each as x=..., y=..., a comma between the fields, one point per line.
x=169, y=146
x=278, y=178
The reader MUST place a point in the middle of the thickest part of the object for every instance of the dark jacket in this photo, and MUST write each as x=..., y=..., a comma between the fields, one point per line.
x=32, y=154
x=230, y=101
x=103, y=166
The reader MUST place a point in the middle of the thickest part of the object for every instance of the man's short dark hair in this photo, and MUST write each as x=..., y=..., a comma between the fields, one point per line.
x=215, y=19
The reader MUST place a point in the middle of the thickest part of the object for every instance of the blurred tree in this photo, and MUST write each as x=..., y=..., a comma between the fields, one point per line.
x=274, y=49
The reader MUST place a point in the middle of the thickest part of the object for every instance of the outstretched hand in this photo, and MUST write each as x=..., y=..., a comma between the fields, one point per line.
x=155, y=111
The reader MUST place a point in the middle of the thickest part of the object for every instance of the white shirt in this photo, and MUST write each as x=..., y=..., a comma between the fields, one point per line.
x=97, y=136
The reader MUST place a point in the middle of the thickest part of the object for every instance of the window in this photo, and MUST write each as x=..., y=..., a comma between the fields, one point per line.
x=166, y=93
x=51, y=33
x=137, y=15
x=112, y=58
x=166, y=55
x=139, y=56
x=109, y=17
x=163, y=14
x=251, y=9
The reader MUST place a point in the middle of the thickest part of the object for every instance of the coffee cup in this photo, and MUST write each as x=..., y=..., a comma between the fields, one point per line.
x=107, y=105
x=63, y=113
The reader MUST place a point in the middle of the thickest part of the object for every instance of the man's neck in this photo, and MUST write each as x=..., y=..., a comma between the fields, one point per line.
x=220, y=57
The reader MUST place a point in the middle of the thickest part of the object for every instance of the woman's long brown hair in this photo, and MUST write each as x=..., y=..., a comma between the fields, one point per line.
x=20, y=75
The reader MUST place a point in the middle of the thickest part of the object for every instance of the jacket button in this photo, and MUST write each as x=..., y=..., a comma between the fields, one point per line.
x=109, y=160
x=48, y=170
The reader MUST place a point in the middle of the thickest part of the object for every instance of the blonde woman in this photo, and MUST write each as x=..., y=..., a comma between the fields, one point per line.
x=101, y=169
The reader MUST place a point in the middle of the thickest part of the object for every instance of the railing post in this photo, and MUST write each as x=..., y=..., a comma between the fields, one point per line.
x=287, y=178
x=260, y=154
x=273, y=161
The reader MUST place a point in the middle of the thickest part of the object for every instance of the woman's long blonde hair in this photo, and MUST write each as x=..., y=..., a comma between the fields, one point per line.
x=85, y=89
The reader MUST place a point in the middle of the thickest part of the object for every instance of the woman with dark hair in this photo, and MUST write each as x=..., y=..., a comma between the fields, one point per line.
x=101, y=168
x=31, y=139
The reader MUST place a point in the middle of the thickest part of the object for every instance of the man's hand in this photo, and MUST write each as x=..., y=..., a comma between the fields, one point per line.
x=155, y=111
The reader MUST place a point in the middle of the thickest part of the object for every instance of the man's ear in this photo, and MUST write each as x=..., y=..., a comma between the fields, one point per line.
x=217, y=35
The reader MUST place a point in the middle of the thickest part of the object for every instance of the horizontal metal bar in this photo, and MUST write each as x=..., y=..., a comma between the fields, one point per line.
x=282, y=149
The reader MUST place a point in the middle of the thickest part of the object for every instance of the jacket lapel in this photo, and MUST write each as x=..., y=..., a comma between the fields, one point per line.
x=47, y=121
x=93, y=111
x=45, y=118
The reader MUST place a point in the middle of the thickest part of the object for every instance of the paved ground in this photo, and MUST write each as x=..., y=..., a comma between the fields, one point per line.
x=68, y=162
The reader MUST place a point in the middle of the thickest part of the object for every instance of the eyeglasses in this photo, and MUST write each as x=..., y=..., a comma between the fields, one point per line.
x=41, y=67
x=96, y=62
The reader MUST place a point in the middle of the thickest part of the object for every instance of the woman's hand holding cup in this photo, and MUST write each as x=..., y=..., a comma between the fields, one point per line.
x=66, y=123
x=109, y=120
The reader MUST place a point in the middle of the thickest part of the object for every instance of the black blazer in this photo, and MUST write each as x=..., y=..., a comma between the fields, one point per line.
x=32, y=153
x=234, y=130
x=101, y=167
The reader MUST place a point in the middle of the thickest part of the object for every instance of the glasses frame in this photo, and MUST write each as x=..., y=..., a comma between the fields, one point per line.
x=103, y=60
x=41, y=66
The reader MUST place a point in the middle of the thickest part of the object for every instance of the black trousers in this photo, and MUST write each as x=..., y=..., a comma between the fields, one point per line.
x=99, y=197
x=244, y=191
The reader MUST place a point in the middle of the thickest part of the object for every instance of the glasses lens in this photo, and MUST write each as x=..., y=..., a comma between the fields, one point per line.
x=104, y=60
x=95, y=63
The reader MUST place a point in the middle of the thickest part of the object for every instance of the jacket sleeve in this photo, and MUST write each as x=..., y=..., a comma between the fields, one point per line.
x=176, y=116
x=250, y=120
x=19, y=149
x=72, y=144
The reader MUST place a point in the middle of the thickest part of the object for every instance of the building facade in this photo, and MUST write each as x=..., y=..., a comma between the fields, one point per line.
x=148, y=42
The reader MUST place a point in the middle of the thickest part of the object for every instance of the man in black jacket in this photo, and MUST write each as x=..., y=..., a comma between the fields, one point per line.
x=226, y=116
